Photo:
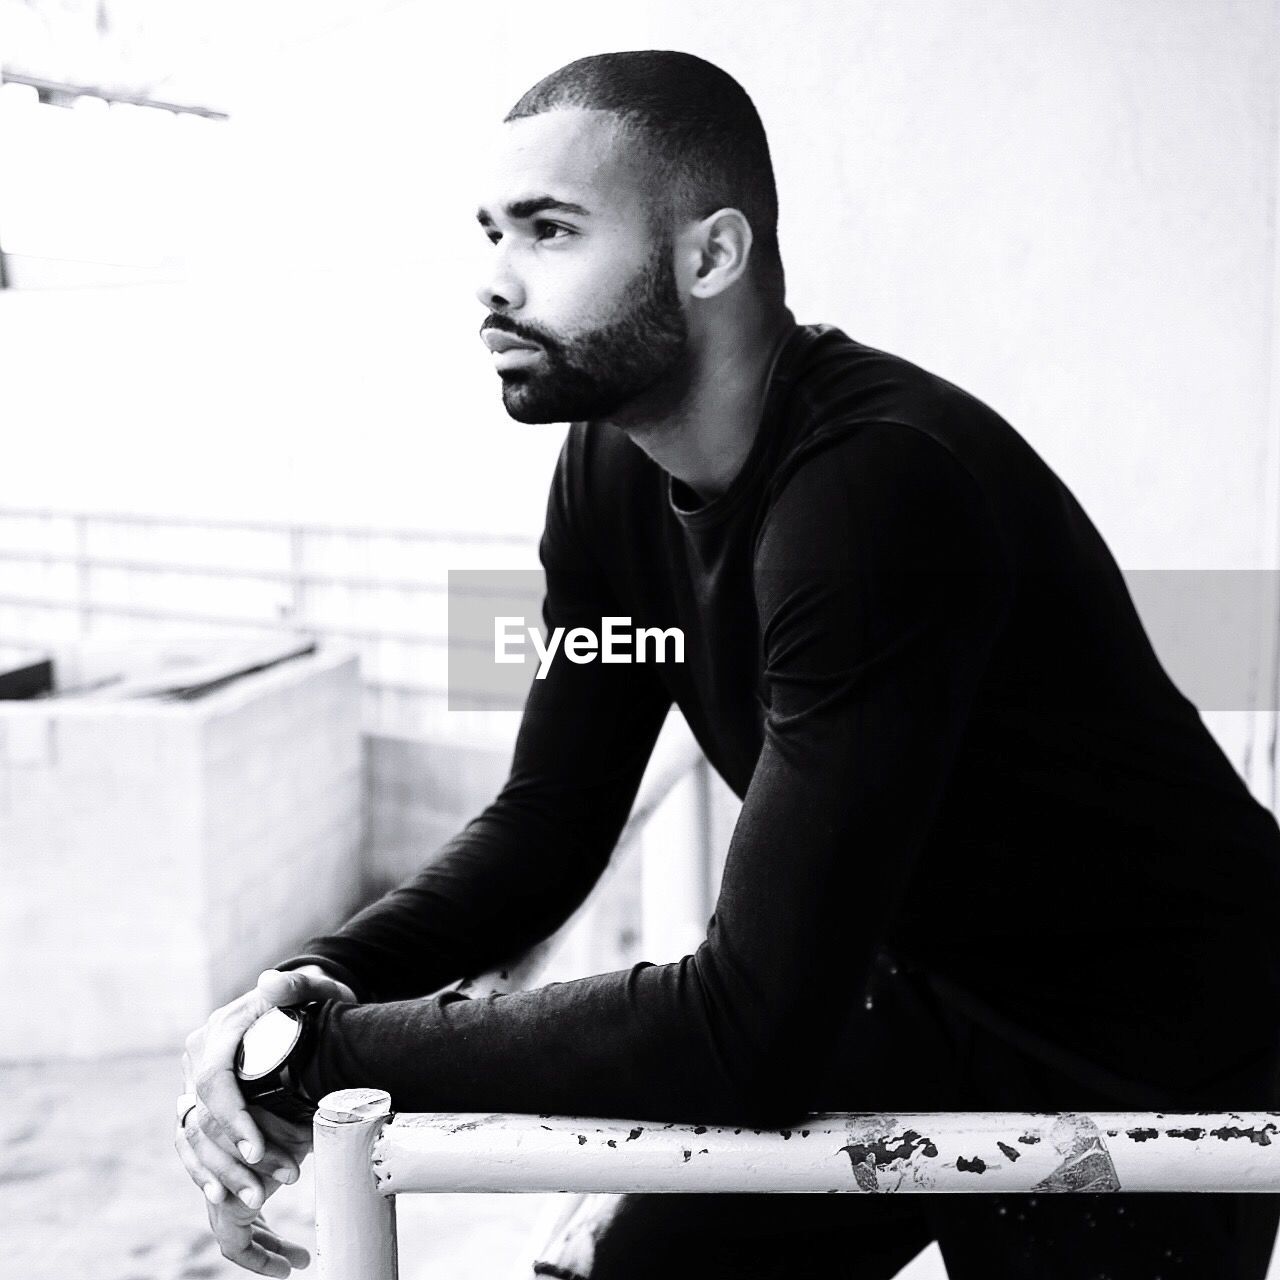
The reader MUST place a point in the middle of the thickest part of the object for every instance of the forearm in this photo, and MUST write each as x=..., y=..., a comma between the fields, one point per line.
x=645, y=1043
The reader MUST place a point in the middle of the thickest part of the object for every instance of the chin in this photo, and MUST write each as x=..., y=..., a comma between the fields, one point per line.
x=535, y=401
x=521, y=407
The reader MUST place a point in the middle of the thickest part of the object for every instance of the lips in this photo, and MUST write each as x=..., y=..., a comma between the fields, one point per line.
x=496, y=340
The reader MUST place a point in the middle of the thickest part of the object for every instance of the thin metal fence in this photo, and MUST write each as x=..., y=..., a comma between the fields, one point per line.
x=68, y=575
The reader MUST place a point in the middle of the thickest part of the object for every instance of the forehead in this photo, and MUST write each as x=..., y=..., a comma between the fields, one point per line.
x=572, y=154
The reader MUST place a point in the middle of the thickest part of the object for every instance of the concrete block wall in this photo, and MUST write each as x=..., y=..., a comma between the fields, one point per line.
x=283, y=821
x=156, y=856
x=420, y=793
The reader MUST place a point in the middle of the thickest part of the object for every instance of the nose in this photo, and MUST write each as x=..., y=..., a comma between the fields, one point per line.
x=500, y=290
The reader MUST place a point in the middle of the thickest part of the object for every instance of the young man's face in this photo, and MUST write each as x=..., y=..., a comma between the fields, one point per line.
x=584, y=314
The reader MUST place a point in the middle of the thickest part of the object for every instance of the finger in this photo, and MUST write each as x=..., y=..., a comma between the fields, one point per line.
x=213, y=1049
x=188, y=1069
x=276, y=1161
x=296, y=1137
x=294, y=1254
x=226, y=1170
x=234, y=1227
x=287, y=987
x=214, y=1191
x=236, y=1244
x=279, y=1167
x=224, y=1108
x=254, y=1257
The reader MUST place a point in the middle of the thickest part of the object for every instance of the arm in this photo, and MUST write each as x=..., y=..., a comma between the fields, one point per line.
x=520, y=869
x=881, y=586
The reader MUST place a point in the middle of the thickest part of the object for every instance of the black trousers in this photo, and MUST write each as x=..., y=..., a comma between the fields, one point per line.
x=914, y=1050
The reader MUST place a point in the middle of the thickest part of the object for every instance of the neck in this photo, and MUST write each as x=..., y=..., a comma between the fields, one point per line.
x=702, y=430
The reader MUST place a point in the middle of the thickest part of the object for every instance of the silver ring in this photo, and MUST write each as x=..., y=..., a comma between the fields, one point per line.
x=185, y=1112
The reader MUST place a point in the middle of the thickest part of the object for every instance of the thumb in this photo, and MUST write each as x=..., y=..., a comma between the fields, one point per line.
x=290, y=987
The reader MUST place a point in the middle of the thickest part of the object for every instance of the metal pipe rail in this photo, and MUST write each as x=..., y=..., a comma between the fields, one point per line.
x=366, y=1156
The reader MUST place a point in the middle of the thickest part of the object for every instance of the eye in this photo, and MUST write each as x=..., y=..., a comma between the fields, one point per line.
x=544, y=230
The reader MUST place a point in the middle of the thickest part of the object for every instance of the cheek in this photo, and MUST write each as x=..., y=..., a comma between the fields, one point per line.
x=577, y=291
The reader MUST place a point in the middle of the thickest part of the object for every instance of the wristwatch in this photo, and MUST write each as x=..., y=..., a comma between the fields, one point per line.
x=271, y=1058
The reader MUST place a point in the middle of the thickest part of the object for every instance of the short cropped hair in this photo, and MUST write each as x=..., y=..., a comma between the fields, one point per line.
x=702, y=137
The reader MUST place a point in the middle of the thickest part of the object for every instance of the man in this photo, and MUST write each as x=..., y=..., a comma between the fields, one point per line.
x=988, y=857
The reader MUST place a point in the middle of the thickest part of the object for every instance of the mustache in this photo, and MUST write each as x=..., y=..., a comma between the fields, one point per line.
x=525, y=332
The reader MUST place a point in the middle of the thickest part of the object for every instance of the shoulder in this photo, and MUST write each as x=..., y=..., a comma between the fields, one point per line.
x=834, y=375
x=875, y=443
x=839, y=385
x=878, y=492
x=882, y=540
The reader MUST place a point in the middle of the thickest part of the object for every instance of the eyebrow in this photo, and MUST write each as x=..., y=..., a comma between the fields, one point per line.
x=527, y=207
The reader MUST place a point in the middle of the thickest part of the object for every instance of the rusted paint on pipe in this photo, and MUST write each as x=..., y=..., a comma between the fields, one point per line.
x=1086, y=1160
x=1259, y=1134
x=837, y=1152
x=869, y=1150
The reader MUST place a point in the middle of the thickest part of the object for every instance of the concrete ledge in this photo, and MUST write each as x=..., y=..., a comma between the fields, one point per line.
x=158, y=855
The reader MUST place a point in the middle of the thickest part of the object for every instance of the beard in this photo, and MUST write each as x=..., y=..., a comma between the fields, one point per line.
x=596, y=373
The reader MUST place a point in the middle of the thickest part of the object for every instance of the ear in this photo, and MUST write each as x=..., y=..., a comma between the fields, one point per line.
x=720, y=248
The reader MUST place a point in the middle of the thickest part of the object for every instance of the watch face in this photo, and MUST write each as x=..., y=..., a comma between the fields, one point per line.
x=267, y=1043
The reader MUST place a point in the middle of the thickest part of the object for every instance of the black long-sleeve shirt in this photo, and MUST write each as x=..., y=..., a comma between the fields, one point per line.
x=910, y=653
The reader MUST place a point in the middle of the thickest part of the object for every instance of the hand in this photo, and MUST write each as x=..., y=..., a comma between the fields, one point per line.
x=244, y=1238
x=220, y=1138
x=240, y=1229
x=216, y=1171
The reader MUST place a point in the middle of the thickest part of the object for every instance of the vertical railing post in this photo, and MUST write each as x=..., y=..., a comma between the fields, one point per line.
x=355, y=1225
x=297, y=567
x=84, y=601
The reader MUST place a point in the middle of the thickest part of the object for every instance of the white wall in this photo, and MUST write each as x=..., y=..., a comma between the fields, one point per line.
x=1068, y=209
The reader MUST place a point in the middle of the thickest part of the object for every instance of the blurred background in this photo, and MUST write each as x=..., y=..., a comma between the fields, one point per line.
x=248, y=428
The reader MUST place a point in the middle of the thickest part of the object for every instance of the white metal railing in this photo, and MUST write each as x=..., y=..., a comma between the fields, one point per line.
x=366, y=1155
x=67, y=574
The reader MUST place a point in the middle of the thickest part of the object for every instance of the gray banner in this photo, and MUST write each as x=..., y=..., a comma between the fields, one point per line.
x=1214, y=631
